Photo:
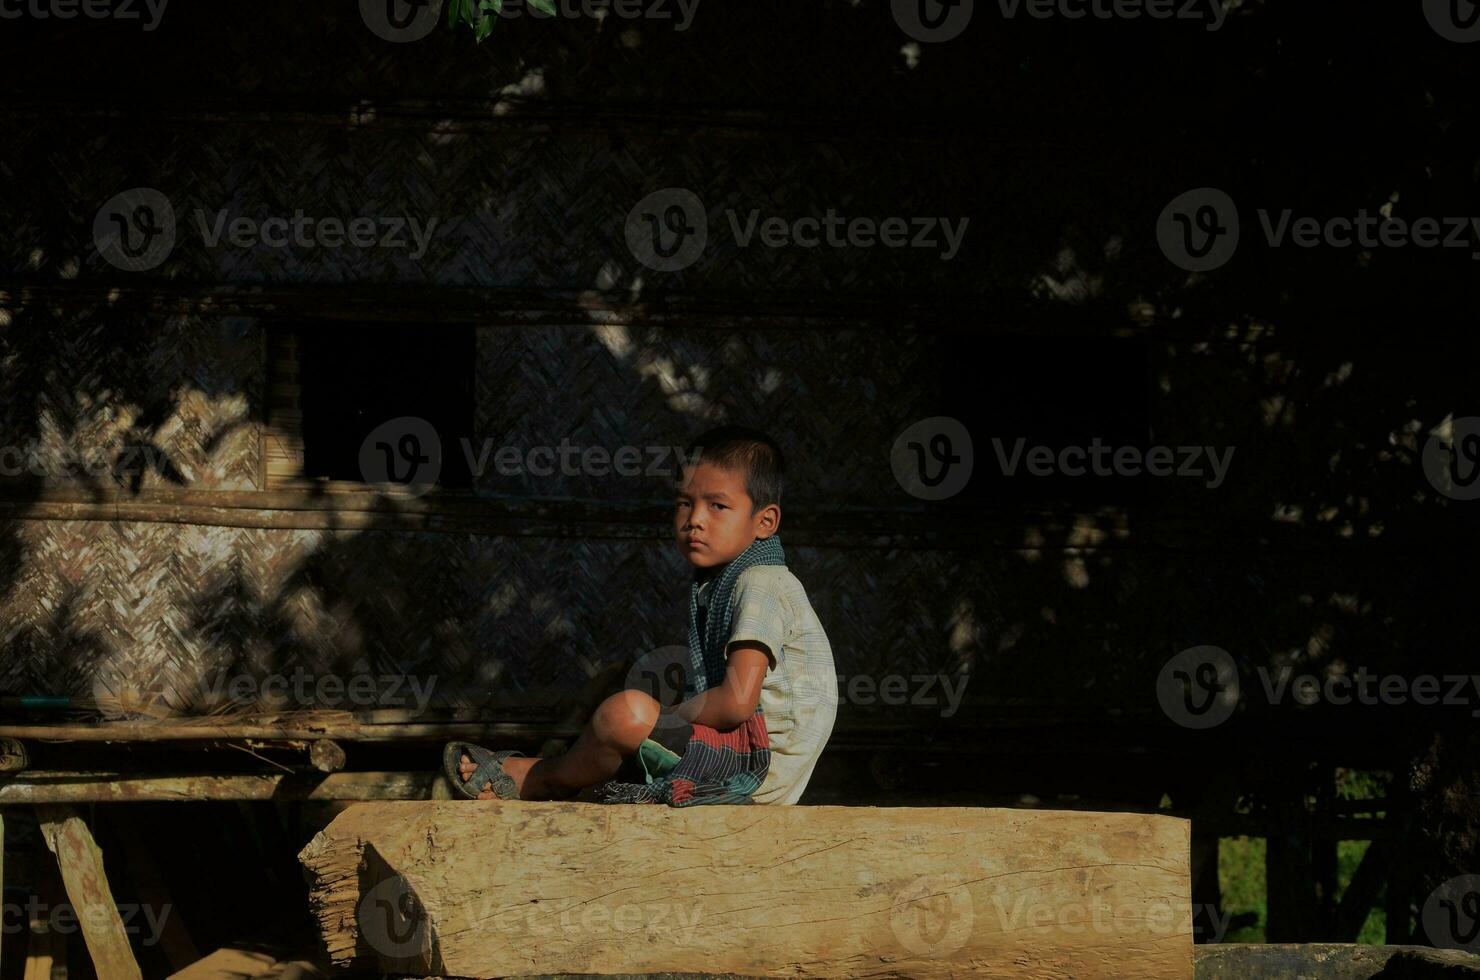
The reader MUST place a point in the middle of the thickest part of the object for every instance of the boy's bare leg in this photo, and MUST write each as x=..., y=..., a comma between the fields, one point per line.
x=615, y=730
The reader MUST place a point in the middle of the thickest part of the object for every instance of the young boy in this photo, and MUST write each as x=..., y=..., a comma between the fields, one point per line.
x=762, y=677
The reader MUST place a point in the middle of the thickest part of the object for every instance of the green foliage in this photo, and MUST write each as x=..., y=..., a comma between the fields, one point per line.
x=481, y=14
x=1241, y=880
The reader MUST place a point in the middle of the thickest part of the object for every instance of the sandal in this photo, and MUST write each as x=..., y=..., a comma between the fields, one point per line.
x=490, y=770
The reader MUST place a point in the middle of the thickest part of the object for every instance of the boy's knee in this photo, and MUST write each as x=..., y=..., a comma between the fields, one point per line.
x=626, y=718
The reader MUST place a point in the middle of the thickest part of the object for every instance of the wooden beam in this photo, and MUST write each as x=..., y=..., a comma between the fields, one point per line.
x=117, y=788
x=305, y=729
x=81, y=864
x=513, y=115
x=492, y=889
x=313, y=305
x=350, y=507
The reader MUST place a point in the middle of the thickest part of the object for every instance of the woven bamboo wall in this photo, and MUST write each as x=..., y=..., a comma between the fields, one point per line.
x=529, y=151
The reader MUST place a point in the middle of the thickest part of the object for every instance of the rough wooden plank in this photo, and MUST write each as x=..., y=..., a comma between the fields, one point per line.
x=486, y=889
x=247, y=964
x=81, y=863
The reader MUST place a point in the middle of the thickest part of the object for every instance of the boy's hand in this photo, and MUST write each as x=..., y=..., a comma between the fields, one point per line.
x=729, y=705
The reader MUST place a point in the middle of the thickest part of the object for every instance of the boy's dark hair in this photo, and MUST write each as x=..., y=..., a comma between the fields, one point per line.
x=735, y=447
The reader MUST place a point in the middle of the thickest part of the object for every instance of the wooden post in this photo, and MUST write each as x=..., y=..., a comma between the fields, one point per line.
x=1397, y=901
x=1289, y=868
x=1323, y=854
x=1361, y=893
x=46, y=948
x=81, y=864
x=174, y=938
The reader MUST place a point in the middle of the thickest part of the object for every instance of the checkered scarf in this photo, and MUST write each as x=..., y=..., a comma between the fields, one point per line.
x=717, y=767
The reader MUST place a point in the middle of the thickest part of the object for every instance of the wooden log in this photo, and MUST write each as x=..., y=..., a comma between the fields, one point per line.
x=327, y=755
x=116, y=788
x=1332, y=961
x=81, y=863
x=13, y=755
x=494, y=889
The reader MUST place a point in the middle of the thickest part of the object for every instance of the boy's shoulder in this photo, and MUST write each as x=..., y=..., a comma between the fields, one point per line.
x=775, y=580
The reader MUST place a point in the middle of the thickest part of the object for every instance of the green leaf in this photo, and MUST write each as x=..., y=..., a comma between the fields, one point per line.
x=543, y=6
x=452, y=8
x=484, y=28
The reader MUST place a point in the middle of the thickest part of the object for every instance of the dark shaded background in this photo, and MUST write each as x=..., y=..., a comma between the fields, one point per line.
x=1060, y=320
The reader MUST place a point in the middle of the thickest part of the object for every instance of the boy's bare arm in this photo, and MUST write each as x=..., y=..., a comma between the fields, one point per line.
x=729, y=705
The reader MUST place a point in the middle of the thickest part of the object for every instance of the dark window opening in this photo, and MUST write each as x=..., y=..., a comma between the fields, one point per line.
x=1056, y=393
x=354, y=379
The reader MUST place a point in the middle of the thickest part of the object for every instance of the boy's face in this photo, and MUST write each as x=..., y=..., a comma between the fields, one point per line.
x=713, y=522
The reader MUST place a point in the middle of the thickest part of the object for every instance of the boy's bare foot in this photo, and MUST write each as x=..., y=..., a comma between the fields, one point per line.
x=517, y=767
